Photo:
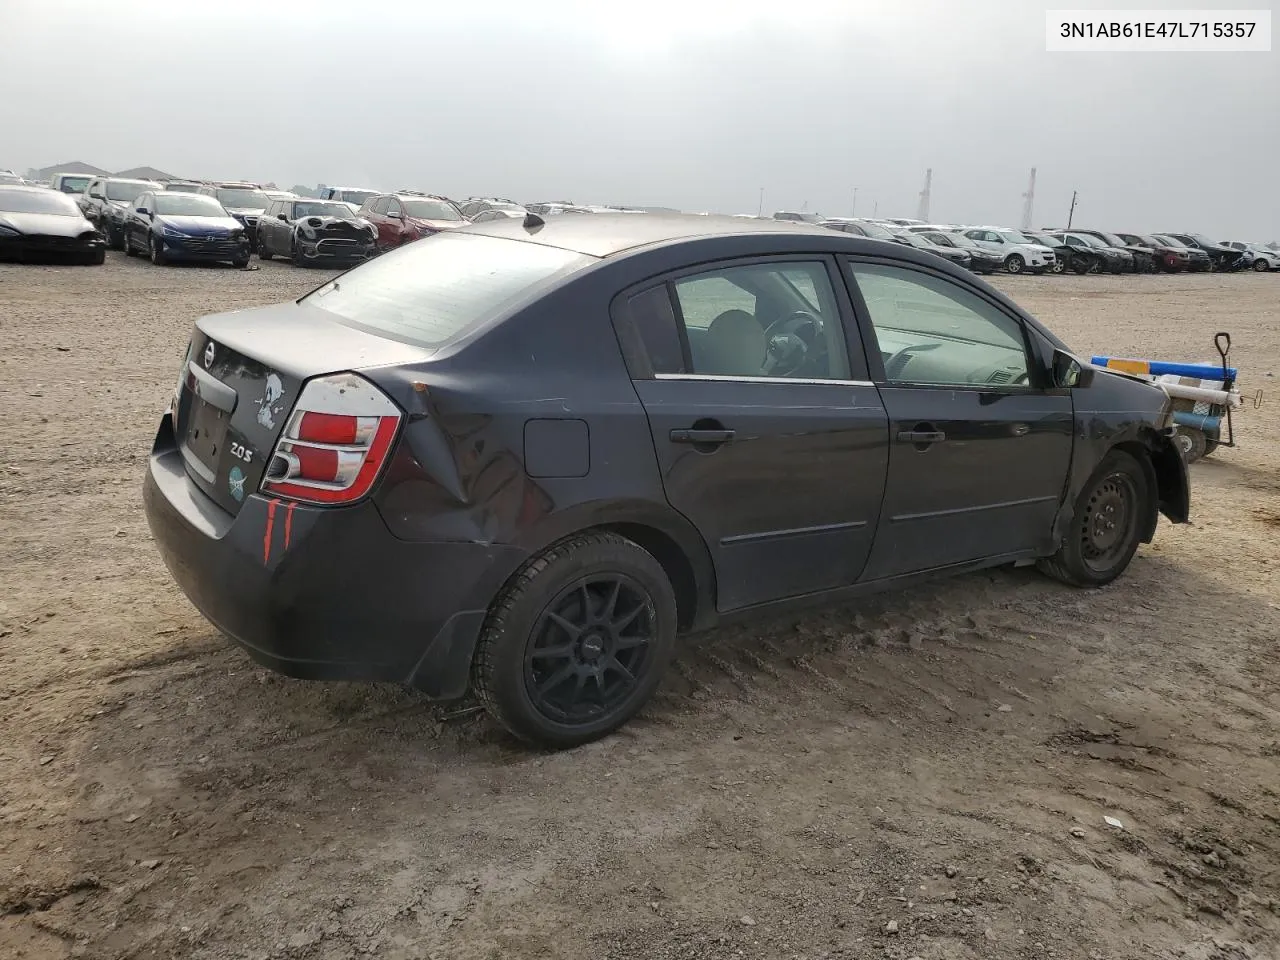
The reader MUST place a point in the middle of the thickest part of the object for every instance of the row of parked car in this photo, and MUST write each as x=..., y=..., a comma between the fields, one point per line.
x=230, y=221
x=986, y=249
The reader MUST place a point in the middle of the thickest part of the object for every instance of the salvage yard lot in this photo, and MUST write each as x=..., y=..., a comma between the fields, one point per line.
x=922, y=774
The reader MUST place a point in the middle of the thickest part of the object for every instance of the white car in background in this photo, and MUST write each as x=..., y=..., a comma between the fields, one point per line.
x=1019, y=253
x=1257, y=256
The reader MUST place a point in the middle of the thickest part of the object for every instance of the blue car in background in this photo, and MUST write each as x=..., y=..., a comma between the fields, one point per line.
x=169, y=226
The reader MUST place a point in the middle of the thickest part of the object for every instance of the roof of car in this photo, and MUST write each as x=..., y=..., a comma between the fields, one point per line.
x=603, y=235
x=26, y=188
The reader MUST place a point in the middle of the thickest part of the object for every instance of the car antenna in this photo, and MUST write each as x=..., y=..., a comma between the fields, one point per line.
x=532, y=221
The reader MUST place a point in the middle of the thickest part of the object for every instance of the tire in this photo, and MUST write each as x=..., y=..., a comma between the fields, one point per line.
x=127, y=246
x=1107, y=525
x=114, y=239
x=1059, y=265
x=96, y=259
x=1191, y=443
x=263, y=252
x=1261, y=266
x=298, y=259
x=240, y=264
x=1210, y=445
x=563, y=600
x=154, y=253
x=1014, y=263
x=1080, y=265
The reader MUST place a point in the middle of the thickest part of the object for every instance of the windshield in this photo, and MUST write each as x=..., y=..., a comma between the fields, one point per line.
x=875, y=231
x=1041, y=239
x=74, y=184
x=431, y=210
x=322, y=208
x=1013, y=236
x=1170, y=242
x=127, y=191
x=243, y=199
x=188, y=205
x=38, y=201
x=432, y=291
x=356, y=196
x=1147, y=240
x=1089, y=241
x=940, y=239
x=183, y=187
x=1112, y=239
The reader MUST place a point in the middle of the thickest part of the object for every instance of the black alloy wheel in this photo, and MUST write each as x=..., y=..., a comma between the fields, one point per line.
x=577, y=641
x=589, y=647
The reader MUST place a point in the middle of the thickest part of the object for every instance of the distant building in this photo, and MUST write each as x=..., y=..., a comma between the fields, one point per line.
x=88, y=169
x=144, y=173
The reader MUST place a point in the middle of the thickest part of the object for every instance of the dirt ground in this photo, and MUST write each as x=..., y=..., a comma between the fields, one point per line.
x=925, y=774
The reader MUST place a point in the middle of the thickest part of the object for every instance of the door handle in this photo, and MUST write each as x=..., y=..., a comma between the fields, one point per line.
x=701, y=436
x=921, y=436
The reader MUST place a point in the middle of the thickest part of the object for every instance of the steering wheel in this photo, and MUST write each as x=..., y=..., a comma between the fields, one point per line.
x=791, y=342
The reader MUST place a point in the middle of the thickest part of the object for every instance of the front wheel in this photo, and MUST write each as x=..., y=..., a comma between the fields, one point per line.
x=114, y=238
x=577, y=641
x=1261, y=266
x=1107, y=526
x=1014, y=263
x=263, y=252
x=126, y=245
x=1058, y=265
x=155, y=252
x=96, y=259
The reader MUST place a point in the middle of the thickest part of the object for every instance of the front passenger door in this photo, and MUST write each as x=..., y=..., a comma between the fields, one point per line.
x=980, y=442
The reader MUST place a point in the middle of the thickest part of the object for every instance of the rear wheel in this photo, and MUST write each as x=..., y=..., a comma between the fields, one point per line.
x=1107, y=525
x=1014, y=263
x=577, y=641
x=1261, y=266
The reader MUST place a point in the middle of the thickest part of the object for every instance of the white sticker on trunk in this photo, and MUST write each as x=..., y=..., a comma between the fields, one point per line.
x=273, y=392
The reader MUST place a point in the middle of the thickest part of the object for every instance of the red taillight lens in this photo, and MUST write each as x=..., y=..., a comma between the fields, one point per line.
x=327, y=428
x=335, y=443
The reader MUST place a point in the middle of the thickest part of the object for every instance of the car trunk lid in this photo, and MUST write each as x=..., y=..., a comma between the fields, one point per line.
x=241, y=377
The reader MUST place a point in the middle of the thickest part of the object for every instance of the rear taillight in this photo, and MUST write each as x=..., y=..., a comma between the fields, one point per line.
x=335, y=442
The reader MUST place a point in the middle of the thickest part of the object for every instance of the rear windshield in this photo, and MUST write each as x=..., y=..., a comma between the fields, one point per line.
x=38, y=201
x=429, y=292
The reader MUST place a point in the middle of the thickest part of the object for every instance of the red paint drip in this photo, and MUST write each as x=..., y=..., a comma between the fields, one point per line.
x=288, y=523
x=266, y=537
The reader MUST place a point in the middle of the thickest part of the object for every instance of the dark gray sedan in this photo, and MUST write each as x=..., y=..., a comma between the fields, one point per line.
x=524, y=456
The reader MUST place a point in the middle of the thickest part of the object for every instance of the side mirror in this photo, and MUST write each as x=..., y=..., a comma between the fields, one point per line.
x=144, y=212
x=282, y=216
x=1069, y=372
x=395, y=216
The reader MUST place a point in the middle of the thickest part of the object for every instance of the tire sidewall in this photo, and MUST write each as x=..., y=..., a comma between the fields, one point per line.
x=521, y=605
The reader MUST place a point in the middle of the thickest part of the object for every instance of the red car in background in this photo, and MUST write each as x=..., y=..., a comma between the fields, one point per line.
x=405, y=216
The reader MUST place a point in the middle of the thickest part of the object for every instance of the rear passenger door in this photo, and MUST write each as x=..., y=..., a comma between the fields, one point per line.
x=980, y=441
x=770, y=438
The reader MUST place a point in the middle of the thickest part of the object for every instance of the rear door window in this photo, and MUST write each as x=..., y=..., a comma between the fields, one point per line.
x=433, y=291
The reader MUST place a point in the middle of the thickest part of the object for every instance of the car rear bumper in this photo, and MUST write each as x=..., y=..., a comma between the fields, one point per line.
x=324, y=593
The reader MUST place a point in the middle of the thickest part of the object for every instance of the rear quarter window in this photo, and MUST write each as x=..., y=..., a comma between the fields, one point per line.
x=433, y=291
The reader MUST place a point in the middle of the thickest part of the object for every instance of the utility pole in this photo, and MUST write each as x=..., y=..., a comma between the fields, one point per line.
x=760, y=208
x=855, y=201
x=922, y=212
x=1072, y=212
x=875, y=210
x=1030, y=198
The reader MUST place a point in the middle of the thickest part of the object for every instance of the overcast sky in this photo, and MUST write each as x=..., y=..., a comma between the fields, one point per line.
x=689, y=103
